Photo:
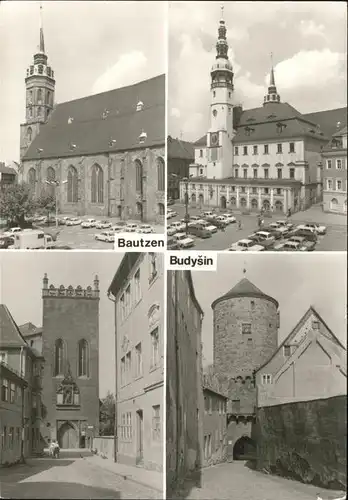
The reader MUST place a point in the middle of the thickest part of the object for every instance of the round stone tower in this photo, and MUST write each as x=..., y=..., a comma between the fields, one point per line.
x=246, y=323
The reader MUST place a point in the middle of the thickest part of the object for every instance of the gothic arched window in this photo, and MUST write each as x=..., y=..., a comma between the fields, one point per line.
x=160, y=174
x=29, y=134
x=97, y=185
x=51, y=176
x=83, y=358
x=32, y=179
x=138, y=176
x=39, y=111
x=48, y=97
x=58, y=357
x=39, y=96
x=72, y=185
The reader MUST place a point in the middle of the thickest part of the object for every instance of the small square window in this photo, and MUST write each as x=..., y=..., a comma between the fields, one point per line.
x=246, y=328
x=287, y=351
x=315, y=325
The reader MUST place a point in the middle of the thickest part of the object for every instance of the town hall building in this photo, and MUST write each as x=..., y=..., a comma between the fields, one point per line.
x=267, y=157
x=99, y=155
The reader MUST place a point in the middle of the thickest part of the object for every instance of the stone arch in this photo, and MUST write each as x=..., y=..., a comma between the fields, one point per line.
x=233, y=201
x=223, y=202
x=72, y=185
x=266, y=204
x=97, y=184
x=160, y=174
x=201, y=199
x=138, y=176
x=68, y=435
x=278, y=206
x=193, y=198
x=161, y=209
x=243, y=203
x=244, y=448
x=254, y=204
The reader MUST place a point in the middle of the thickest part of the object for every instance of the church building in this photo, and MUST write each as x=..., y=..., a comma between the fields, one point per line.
x=103, y=154
x=267, y=157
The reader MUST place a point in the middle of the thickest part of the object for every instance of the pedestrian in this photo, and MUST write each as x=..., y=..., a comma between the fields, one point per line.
x=239, y=225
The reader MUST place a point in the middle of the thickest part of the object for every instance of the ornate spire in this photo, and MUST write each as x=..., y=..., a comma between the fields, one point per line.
x=42, y=40
x=222, y=45
x=222, y=71
x=272, y=94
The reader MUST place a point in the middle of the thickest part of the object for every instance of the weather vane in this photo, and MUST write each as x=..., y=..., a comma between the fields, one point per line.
x=222, y=11
x=244, y=269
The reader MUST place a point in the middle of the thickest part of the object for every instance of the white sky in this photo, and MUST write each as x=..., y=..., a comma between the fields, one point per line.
x=92, y=47
x=295, y=281
x=308, y=41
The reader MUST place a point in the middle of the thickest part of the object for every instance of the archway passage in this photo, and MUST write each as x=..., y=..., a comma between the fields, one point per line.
x=67, y=436
x=223, y=202
x=266, y=205
x=279, y=206
x=201, y=199
x=244, y=449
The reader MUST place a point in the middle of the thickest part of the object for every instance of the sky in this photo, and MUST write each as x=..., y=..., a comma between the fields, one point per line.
x=309, y=45
x=92, y=46
x=295, y=281
x=21, y=275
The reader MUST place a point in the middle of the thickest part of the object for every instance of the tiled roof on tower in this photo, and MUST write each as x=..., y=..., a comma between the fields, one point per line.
x=244, y=288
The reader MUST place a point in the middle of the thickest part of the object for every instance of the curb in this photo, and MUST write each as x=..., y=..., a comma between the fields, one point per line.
x=129, y=478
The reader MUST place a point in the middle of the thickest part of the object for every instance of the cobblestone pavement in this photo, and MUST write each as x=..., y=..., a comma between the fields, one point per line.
x=235, y=481
x=67, y=479
x=334, y=240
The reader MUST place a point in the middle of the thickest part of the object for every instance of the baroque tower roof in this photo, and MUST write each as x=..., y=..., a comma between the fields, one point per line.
x=272, y=94
x=244, y=288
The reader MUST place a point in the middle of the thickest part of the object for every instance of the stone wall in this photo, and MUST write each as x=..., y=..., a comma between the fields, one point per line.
x=305, y=441
x=104, y=446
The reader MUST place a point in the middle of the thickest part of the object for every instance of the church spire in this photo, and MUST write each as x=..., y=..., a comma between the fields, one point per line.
x=222, y=45
x=42, y=40
x=272, y=94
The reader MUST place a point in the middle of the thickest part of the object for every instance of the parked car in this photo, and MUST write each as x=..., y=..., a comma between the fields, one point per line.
x=131, y=228
x=199, y=231
x=207, y=225
x=179, y=226
x=172, y=244
x=308, y=234
x=306, y=245
x=230, y=218
x=63, y=220
x=88, y=223
x=145, y=229
x=170, y=201
x=279, y=227
x=5, y=242
x=171, y=214
x=183, y=240
x=171, y=230
x=288, y=246
x=315, y=227
x=285, y=223
x=208, y=214
x=274, y=232
x=267, y=243
x=194, y=217
x=246, y=245
x=12, y=231
x=118, y=227
x=74, y=221
x=103, y=224
x=107, y=236
x=221, y=220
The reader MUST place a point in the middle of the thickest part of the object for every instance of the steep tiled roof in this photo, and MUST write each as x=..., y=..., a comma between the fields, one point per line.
x=92, y=133
x=244, y=288
x=6, y=170
x=262, y=124
x=327, y=120
x=29, y=329
x=10, y=335
x=180, y=149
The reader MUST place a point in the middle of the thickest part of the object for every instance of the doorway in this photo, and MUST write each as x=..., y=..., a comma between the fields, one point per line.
x=67, y=436
x=140, y=436
x=244, y=449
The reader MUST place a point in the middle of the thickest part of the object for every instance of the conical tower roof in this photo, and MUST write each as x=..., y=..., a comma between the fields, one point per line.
x=244, y=288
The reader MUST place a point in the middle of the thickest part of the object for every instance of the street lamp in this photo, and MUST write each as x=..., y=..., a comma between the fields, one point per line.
x=56, y=184
x=187, y=217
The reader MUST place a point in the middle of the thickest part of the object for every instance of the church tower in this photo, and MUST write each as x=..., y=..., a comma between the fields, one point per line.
x=220, y=134
x=272, y=94
x=40, y=87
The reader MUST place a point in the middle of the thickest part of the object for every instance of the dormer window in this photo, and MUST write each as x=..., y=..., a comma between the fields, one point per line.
x=142, y=137
x=72, y=147
x=140, y=106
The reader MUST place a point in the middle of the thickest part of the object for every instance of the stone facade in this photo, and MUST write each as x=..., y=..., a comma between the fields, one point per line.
x=139, y=323
x=71, y=378
x=314, y=447
x=214, y=427
x=184, y=399
x=119, y=192
x=335, y=174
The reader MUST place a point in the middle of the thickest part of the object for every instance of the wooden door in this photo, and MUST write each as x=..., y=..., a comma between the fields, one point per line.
x=68, y=436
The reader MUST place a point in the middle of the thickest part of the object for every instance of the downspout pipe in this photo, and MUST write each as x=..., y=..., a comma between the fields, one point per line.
x=109, y=295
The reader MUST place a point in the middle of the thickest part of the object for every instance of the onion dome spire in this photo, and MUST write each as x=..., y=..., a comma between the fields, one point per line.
x=272, y=94
x=222, y=45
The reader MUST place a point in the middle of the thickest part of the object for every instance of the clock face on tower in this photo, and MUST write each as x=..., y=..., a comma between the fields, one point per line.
x=214, y=139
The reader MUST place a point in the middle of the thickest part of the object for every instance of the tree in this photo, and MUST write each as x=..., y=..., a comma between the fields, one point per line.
x=46, y=202
x=16, y=202
x=107, y=412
